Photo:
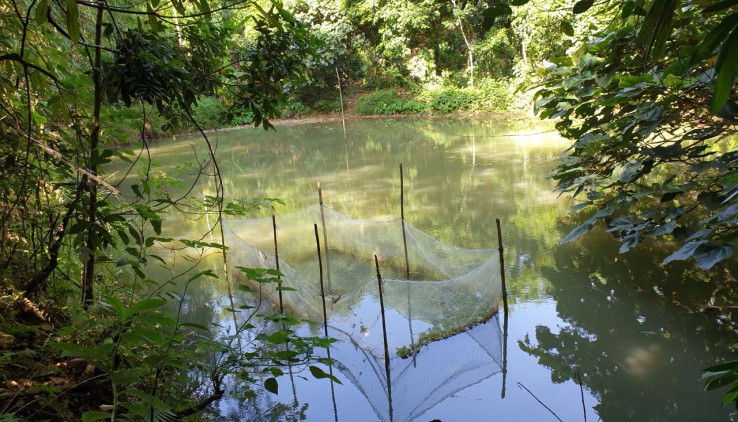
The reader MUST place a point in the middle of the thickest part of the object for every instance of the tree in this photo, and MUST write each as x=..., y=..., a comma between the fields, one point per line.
x=650, y=104
x=68, y=68
x=66, y=64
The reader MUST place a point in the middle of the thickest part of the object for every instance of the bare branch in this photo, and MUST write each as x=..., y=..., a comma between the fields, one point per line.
x=75, y=167
x=17, y=58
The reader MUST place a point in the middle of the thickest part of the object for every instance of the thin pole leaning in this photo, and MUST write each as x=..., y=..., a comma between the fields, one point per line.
x=384, y=333
x=407, y=261
x=276, y=259
x=502, y=266
x=325, y=322
x=340, y=96
x=322, y=290
x=402, y=220
x=325, y=237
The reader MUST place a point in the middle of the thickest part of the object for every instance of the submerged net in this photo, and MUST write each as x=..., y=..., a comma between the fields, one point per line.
x=448, y=289
x=419, y=383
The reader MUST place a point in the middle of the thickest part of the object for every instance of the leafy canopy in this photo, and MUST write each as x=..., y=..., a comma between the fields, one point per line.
x=650, y=105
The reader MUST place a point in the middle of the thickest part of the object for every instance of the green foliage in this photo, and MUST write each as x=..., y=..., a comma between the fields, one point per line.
x=69, y=72
x=495, y=53
x=147, y=346
x=648, y=157
x=210, y=112
x=718, y=376
x=387, y=102
x=269, y=63
x=327, y=106
x=449, y=100
x=492, y=95
x=146, y=66
x=390, y=79
x=295, y=109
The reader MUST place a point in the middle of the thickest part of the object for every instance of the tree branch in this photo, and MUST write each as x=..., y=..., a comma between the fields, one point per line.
x=17, y=58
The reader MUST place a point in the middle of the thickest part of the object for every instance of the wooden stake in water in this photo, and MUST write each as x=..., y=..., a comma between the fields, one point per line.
x=502, y=266
x=504, y=356
x=384, y=333
x=325, y=237
x=402, y=220
x=276, y=259
x=407, y=261
x=325, y=321
x=322, y=290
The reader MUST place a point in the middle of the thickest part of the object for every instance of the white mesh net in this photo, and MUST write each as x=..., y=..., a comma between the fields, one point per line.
x=448, y=291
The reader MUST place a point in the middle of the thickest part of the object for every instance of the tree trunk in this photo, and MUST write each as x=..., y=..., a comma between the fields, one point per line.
x=89, y=271
x=467, y=42
x=437, y=60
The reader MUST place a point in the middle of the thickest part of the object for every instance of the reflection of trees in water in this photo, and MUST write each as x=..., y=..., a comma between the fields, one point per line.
x=646, y=365
x=259, y=408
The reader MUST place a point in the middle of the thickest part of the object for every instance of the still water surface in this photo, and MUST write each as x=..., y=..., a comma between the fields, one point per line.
x=634, y=332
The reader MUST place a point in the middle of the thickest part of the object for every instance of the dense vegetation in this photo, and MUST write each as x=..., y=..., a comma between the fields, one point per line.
x=86, y=329
x=429, y=57
x=645, y=90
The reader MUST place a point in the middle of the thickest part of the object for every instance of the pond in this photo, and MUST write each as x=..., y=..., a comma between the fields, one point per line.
x=634, y=332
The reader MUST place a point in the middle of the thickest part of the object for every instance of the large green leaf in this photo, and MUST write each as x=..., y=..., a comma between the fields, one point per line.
x=707, y=255
x=95, y=416
x=578, y=231
x=491, y=14
x=582, y=6
x=320, y=374
x=73, y=21
x=706, y=48
x=41, y=10
x=271, y=385
x=726, y=67
x=146, y=305
x=685, y=252
x=656, y=28
x=720, y=6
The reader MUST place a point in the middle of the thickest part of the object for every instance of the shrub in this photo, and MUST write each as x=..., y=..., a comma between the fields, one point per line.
x=125, y=123
x=210, y=112
x=493, y=95
x=450, y=100
x=390, y=79
x=327, y=106
x=295, y=108
x=242, y=119
x=388, y=101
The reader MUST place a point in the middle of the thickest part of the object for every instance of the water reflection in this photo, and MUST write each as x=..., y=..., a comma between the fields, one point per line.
x=636, y=332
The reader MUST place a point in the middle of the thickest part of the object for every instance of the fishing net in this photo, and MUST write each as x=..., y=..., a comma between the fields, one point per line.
x=437, y=289
x=431, y=291
x=420, y=382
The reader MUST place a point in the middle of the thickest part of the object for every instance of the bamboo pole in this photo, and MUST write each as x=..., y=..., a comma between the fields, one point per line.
x=407, y=261
x=325, y=238
x=276, y=259
x=384, y=333
x=322, y=290
x=325, y=322
x=502, y=266
x=504, y=355
x=402, y=220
